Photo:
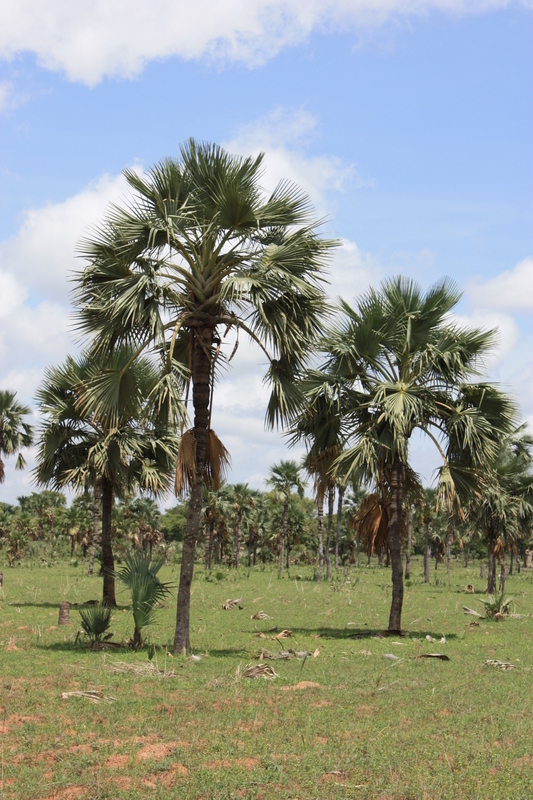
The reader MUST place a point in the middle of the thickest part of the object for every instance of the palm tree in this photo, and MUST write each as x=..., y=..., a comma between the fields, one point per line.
x=131, y=445
x=240, y=498
x=14, y=432
x=139, y=574
x=505, y=508
x=319, y=426
x=284, y=477
x=198, y=252
x=402, y=365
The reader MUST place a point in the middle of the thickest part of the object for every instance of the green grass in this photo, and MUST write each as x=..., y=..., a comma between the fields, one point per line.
x=373, y=728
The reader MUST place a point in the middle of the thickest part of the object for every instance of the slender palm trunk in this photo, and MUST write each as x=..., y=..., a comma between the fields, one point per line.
x=320, y=507
x=397, y=486
x=72, y=545
x=502, y=572
x=331, y=503
x=449, y=538
x=216, y=550
x=338, y=532
x=96, y=521
x=358, y=548
x=108, y=562
x=208, y=539
x=466, y=555
x=237, y=540
x=409, y=543
x=491, y=574
x=381, y=556
x=284, y=533
x=511, y=559
x=426, y=551
x=201, y=378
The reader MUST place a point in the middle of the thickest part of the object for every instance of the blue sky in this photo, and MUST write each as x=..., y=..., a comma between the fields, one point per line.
x=408, y=121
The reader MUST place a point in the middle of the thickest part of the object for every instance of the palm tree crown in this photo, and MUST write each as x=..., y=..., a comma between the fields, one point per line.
x=14, y=432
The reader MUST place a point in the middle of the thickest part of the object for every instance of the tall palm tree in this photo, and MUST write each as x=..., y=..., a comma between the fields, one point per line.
x=402, y=365
x=319, y=426
x=131, y=444
x=14, y=432
x=284, y=477
x=240, y=498
x=505, y=508
x=198, y=252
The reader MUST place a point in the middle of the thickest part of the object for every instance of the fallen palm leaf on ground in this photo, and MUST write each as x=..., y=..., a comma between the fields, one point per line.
x=259, y=671
x=284, y=634
x=148, y=669
x=93, y=695
x=229, y=604
x=440, y=656
x=492, y=662
x=260, y=615
x=471, y=612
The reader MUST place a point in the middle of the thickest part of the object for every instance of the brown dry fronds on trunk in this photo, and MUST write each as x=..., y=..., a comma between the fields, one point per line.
x=372, y=521
x=217, y=462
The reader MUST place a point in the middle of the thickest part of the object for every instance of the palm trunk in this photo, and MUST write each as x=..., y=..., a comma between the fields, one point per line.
x=331, y=503
x=208, y=535
x=358, y=546
x=426, y=551
x=449, y=538
x=284, y=533
x=381, y=556
x=397, y=486
x=237, y=540
x=108, y=562
x=511, y=559
x=491, y=575
x=96, y=520
x=201, y=379
x=502, y=573
x=409, y=543
x=72, y=546
x=217, y=550
x=288, y=552
x=249, y=545
x=466, y=556
x=320, y=507
x=338, y=532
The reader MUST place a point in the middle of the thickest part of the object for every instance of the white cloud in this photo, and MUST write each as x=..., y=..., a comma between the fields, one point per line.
x=43, y=251
x=91, y=39
x=283, y=137
x=511, y=289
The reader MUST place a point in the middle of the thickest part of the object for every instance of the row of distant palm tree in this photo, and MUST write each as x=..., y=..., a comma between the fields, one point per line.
x=199, y=254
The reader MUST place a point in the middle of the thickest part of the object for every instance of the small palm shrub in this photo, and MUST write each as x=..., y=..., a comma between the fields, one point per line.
x=95, y=621
x=139, y=574
x=496, y=605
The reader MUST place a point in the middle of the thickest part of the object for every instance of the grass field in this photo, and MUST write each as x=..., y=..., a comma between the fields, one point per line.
x=346, y=722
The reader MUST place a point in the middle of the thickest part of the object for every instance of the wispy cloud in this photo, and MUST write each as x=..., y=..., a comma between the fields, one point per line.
x=91, y=40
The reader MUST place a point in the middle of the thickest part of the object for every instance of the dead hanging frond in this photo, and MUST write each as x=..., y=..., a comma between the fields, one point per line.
x=186, y=463
x=499, y=547
x=217, y=461
x=372, y=522
x=320, y=467
x=447, y=497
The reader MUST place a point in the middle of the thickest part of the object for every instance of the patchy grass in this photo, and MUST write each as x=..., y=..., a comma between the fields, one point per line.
x=345, y=722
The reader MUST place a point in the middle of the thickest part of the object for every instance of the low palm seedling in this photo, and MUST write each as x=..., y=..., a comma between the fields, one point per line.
x=95, y=621
x=496, y=605
x=139, y=574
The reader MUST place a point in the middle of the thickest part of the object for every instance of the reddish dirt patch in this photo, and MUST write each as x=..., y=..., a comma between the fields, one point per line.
x=155, y=751
x=81, y=748
x=321, y=739
x=23, y=628
x=364, y=711
x=123, y=781
x=445, y=712
x=321, y=704
x=15, y=721
x=525, y=761
x=300, y=686
x=51, y=628
x=115, y=762
x=48, y=758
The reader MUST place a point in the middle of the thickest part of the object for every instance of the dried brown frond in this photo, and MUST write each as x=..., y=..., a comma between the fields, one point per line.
x=217, y=461
x=372, y=521
x=499, y=547
x=186, y=463
x=259, y=671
